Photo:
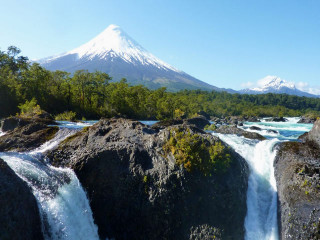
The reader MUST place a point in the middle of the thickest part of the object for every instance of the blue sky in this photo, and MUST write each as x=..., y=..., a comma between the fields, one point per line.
x=229, y=44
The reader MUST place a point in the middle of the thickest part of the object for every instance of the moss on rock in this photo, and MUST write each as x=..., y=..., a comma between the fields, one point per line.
x=195, y=152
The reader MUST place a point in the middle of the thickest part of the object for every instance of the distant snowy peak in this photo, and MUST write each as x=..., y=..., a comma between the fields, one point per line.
x=113, y=42
x=273, y=82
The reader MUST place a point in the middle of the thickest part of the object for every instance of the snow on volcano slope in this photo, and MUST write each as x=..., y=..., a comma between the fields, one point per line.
x=274, y=84
x=116, y=53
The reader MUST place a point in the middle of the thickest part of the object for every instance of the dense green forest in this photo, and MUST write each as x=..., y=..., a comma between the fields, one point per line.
x=94, y=95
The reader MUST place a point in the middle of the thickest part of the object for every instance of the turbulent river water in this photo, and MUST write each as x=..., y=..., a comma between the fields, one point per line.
x=64, y=207
x=65, y=210
x=261, y=220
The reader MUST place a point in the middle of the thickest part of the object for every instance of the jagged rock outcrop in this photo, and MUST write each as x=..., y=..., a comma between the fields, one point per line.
x=10, y=123
x=138, y=191
x=240, y=132
x=297, y=171
x=27, y=137
x=19, y=214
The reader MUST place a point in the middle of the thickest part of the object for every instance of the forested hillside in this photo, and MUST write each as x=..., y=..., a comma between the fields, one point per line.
x=94, y=95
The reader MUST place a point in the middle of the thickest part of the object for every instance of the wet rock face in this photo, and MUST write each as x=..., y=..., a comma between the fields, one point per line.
x=136, y=192
x=28, y=137
x=240, y=132
x=19, y=214
x=297, y=171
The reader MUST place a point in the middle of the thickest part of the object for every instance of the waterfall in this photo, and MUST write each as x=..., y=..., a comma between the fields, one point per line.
x=261, y=220
x=63, y=204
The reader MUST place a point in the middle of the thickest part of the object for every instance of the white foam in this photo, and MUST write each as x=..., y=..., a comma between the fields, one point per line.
x=261, y=219
x=64, y=207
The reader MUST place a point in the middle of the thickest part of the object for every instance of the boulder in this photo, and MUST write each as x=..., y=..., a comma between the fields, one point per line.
x=10, y=123
x=297, y=171
x=307, y=119
x=166, y=123
x=137, y=190
x=199, y=122
x=204, y=114
x=272, y=131
x=19, y=213
x=314, y=135
x=240, y=132
x=277, y=119
x=252, y=119
x=28, y=137
x=255, y=128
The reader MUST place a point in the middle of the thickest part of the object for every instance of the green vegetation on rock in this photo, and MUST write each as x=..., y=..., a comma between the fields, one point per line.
x=29, y=108
x=195, y=152
x=66, y=116
x=211, y=127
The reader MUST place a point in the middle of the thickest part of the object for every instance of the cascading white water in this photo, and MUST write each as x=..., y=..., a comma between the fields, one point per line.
x=1, y=133
x=62, y=134
x=261, y=219
x=64, y=207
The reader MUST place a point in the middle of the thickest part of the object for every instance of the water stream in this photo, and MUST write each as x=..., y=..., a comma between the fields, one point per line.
x=261, y=219
x=63, y=204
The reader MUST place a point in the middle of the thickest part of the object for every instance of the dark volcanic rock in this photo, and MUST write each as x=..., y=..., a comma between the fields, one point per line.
x=314, y=134
x=19, y=214
x=136, y=192
x=297, y=171
x=307, y=119
x=27, y=137
x=252, y=119
x=255, y=128
x=239, y=132
x=11, y=123
x=277, y=119
x=166, y=123
x=199, y=122
x=272, y=131
x=303, y=137
x=204, y=114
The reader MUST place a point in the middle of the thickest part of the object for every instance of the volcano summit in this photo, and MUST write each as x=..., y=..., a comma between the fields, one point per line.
x=116, y=53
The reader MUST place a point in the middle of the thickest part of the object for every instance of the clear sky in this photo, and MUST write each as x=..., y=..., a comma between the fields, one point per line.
x=226, y=43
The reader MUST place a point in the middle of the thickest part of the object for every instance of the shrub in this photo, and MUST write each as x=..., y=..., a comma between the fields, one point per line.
x=30, y=108
x=211, y=127
x=67, y=116
x=194, y=152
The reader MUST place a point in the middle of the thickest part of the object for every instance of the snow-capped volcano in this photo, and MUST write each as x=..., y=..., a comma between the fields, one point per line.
x=274, y=84
x=116, y=53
